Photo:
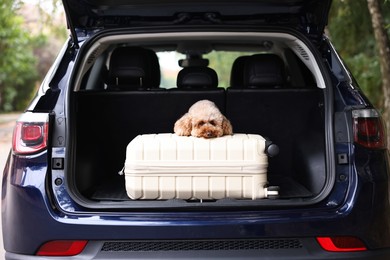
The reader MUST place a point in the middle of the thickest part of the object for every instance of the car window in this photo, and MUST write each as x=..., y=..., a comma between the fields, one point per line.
x=169, y=67
x=220, y=61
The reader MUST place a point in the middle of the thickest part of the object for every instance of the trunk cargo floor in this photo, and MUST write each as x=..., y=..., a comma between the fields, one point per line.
x=114, y=189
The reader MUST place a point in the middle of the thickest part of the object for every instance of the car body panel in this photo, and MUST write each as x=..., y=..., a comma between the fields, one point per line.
x=41, y=203
x=357, y=219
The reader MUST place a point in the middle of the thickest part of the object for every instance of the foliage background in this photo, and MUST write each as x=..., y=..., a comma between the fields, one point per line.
x=27, y=52
x=351, y=32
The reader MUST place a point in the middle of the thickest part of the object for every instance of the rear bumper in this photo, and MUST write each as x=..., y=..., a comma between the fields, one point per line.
x=30, y=219
x=25, y=212
x=113, y=250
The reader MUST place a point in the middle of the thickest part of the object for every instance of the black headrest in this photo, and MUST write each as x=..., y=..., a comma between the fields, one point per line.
x=264, y=70
x=197, y=77
x=134, y=68
x=237, y=72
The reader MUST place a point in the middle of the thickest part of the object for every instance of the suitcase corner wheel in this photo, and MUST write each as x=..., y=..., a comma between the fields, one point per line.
x=272, y=192
x=271, y=149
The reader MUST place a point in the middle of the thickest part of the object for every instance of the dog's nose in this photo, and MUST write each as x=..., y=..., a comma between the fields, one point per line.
x=209, y=134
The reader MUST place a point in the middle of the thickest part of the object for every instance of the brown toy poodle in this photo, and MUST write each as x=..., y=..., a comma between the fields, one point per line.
x=203, y=120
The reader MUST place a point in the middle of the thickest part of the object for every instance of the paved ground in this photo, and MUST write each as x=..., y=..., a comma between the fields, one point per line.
x=7, y=123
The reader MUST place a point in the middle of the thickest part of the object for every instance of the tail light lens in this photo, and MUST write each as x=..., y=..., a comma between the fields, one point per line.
x=31, y=133
x=368, y=129
x=341, y=244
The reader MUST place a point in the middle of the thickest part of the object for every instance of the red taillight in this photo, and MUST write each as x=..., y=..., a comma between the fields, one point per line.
x=368, y=129
x=62, y=248
x=30, y=133
x=341, y=244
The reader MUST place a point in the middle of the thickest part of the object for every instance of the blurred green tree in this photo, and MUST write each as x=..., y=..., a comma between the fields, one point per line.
x=350, y=29
x=17, y=62
x=26, y=51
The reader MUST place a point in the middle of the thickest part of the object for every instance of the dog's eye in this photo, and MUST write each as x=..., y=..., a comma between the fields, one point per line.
x=201, y=123
x=212, y=122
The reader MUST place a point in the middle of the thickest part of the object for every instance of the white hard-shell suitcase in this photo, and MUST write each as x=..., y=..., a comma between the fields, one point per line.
x=167, y=166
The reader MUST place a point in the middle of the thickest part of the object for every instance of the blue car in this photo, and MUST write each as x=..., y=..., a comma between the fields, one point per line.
x=133, y=68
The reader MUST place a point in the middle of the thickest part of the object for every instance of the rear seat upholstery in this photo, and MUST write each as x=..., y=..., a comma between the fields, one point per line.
x=127, y=114
x=258, y=106
x=258, y=71
x=131, y=106
x=265, y=104
x=197, y=78
x=237, y=72
x=133, y=68
x=264, y=71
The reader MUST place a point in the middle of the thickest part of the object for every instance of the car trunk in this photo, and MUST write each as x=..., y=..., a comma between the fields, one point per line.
x=293, y=120
x=103, y=122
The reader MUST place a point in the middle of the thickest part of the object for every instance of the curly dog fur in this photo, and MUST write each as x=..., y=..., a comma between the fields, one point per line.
x=203, y=119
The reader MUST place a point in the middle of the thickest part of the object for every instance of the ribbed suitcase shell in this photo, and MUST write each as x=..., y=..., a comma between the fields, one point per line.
x=167, y=166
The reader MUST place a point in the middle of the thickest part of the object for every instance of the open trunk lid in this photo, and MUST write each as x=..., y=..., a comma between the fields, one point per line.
x=308, y=16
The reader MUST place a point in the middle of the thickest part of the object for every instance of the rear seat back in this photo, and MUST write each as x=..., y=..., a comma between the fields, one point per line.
x=197, y=78
x=133, y=68
x=265, y=105
x=237, y=72
x=127, y=114
x=264, y=71
x=260, y=106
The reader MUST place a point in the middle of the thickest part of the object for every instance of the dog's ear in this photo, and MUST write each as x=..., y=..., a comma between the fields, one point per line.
x=227, y=126
x=183, y=126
